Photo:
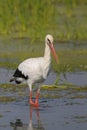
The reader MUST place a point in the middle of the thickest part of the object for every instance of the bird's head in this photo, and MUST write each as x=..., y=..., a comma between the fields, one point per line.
x=49, y=41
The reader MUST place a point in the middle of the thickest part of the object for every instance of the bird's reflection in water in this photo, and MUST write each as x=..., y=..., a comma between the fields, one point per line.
x=38, y=125
x=19, y=125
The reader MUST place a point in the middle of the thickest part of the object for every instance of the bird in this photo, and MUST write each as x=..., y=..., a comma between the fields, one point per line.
x=36, y=70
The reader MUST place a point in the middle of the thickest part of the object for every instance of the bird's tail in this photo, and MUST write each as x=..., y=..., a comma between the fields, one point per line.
x=13, y=79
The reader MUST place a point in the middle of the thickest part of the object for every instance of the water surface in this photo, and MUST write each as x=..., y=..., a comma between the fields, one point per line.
x=68, y=111
x=62, y=114
x=76, y=78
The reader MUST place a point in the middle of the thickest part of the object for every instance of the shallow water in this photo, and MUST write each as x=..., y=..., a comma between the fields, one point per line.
x=75, y=78
x=62, y=114
x=68, y=112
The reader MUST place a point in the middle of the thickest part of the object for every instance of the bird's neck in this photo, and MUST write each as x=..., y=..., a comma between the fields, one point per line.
x=47, y=53
x=47, y=61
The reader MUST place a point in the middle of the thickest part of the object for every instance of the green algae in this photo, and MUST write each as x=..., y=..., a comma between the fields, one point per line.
x=50, y=95
x=47, y=91
x=80, y=118
x=54, y=87
x=14, y=87
x=1, y=115
x=6, y=99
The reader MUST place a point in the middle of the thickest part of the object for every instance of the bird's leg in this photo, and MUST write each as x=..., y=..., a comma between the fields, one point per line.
x=31, y=102
x=37, y=96
x=34, y=104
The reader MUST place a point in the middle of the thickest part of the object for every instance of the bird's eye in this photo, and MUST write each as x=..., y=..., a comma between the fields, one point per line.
x=48, y=41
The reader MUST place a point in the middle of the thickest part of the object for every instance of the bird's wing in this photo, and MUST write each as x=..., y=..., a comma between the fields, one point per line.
x=31, y=66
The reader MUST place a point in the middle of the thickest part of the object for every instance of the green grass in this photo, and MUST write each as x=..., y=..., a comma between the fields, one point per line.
x=47, y=91
x=24, y=24
x=12, y=52
x=69, y=61
x=65, y=19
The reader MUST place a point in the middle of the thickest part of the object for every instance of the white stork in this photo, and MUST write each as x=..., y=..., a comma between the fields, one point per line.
x=34, y=70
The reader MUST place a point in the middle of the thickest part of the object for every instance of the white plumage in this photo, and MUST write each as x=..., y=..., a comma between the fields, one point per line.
x=34, y=70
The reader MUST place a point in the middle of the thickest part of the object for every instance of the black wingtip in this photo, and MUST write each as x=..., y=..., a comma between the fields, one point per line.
x=11, y=80
x=18, y=74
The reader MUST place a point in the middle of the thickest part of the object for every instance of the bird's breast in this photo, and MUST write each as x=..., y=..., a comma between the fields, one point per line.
x=46, y=69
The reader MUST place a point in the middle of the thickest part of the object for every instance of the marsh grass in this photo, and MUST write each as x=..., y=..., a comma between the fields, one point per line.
x=12, y=52
x=29, y=22
x=47, y=91
x=22, y=17
x=67, y=63
x=71, y=60
x=6, y=99
x=65, y=19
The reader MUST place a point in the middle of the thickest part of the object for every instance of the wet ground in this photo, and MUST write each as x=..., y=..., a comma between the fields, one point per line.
x=60, y=108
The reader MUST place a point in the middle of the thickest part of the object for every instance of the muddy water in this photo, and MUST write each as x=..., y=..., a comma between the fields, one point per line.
x=67, y=112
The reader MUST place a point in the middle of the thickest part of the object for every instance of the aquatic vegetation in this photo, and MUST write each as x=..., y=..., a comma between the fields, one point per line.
x=70, y=61
x=18, y=50
x=80, y=118
x=12, y=87
x=6, y=99
x=78, y=96
x=1, y=115
x=47, y=91
x=54, y=87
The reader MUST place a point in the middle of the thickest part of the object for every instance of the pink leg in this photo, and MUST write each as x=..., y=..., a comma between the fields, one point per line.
x=35, y=104
x=31, y=102
x=37, y=97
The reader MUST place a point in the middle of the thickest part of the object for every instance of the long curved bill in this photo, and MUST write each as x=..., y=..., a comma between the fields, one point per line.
x=54, y=53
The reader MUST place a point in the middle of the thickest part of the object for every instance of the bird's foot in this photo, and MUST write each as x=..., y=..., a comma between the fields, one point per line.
x=34, y=104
